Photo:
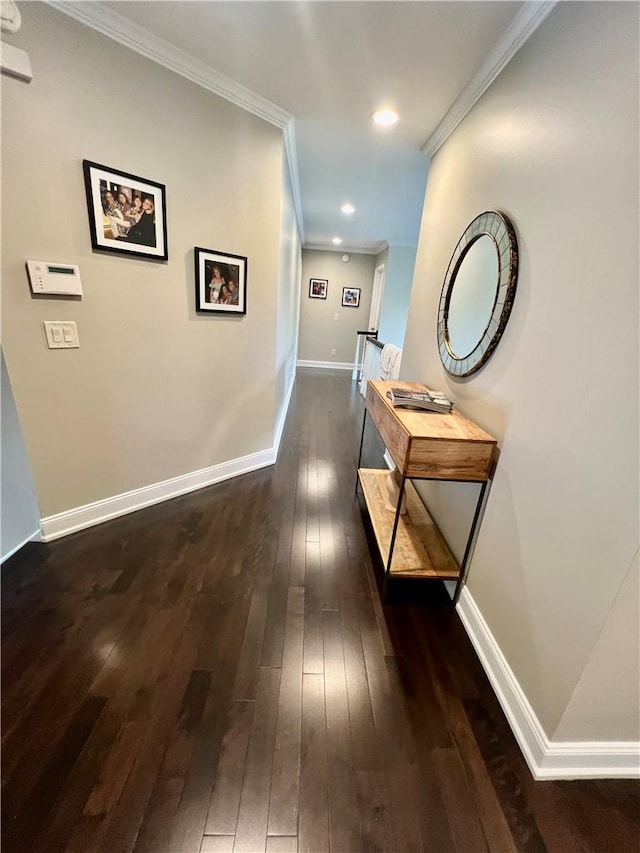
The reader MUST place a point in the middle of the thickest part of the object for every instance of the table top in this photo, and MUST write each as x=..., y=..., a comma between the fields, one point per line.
x=453, y=426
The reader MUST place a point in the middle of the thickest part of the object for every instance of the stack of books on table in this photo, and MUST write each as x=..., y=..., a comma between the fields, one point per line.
x=422, y=398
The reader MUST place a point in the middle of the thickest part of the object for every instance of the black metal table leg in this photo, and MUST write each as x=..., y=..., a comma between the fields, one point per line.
x=364, y=421
x=464, y=568
x=393, y=539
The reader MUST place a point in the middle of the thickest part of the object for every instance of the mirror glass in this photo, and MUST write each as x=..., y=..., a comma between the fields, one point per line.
x=477, y=294
x=473, y=296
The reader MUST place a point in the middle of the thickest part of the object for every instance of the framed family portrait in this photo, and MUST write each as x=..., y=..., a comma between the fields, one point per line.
x=351, y=297
x=221, y=282
x=127, y=214
x=318, y=288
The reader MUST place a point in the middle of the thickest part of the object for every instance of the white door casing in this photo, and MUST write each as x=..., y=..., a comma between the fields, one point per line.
x=376, y=298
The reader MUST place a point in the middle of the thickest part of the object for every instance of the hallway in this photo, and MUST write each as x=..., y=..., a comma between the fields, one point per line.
x=216, y=673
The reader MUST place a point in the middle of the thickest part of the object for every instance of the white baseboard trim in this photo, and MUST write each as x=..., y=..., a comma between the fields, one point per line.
x=327, y=365
x=73, y=520
x=546, y=759
x=35, y=536
x=64, y=523
x=283, y=415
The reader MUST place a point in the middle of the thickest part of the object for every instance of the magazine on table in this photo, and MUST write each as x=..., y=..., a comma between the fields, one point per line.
x=420, y=398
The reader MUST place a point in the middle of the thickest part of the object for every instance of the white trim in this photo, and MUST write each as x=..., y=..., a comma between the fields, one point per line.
x=35, y=536
x=283, y=415
x=55, y=526
x=546, y=759
x=64, y=523
x=136, y=38
x=346, y=247
x=131, y=35
x=377, y=296
x=291, y=150
x=525, y=23
x=326, y=365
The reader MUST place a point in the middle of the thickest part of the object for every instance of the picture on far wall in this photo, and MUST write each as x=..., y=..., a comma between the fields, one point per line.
x=221, y=282
x=127, y=214
x=351, y=297
x=318, y=288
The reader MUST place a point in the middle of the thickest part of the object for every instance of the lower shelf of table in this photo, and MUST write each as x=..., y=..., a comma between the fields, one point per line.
x=419, y=550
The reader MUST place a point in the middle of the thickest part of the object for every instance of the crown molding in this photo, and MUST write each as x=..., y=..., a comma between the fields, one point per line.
x=525, y=23
x=115, y=27
x=349, y=248
x=119, y=29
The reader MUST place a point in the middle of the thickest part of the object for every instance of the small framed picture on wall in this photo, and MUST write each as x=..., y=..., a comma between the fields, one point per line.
x=221, y=282
x=351, y=297
x=318, y=288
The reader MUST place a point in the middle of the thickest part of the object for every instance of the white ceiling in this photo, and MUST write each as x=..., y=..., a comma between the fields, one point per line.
x=329, y=64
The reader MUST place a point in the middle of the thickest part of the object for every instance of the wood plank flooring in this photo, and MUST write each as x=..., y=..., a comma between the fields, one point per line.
x=217, y=673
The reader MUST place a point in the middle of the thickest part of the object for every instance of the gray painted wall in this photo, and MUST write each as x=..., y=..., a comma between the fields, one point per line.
x=320, y=332
x=152, y=392
x=554, y=144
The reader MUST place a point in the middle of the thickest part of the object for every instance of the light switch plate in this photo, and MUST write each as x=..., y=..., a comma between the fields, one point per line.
x=61, y=334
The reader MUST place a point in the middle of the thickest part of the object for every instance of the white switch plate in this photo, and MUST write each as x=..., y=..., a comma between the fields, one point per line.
x=61, y=334
x=335, y=316
x=15, y=62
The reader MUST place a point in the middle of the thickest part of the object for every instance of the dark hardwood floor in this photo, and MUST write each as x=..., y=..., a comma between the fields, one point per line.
x=217, y=673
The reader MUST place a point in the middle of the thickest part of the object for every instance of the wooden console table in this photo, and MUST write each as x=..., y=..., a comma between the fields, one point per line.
x=424, y=446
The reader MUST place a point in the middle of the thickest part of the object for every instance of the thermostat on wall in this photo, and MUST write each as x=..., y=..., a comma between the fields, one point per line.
x=47, y=277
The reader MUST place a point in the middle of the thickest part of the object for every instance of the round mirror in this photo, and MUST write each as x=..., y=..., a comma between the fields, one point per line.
x=477, y=294
x=472, y=298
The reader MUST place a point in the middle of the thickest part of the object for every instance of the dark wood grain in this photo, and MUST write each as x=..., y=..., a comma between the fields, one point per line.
x=372, y=805
x=218, y=673
x=225, y=801
x=251, y=831
x=283, y=806
x=461, y=809
x=313, y=825
x=344, y=829
x=313, y=652
x=20, y=828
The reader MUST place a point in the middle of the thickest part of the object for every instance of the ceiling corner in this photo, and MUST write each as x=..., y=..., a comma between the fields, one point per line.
x=524, y=24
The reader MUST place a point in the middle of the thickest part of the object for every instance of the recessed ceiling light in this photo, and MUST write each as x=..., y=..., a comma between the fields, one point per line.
x=336, y=241
x=347, y=208
x=385, y=117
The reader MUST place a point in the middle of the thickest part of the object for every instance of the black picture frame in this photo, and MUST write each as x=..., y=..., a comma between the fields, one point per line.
x=318, y=288
x=135, y=225
x=209, y=285
x=351, y=297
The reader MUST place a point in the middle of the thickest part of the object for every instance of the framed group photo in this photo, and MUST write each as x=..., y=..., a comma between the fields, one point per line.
x=127, y=214
x=351, y=297
x=318, y=288
x=221, y=282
